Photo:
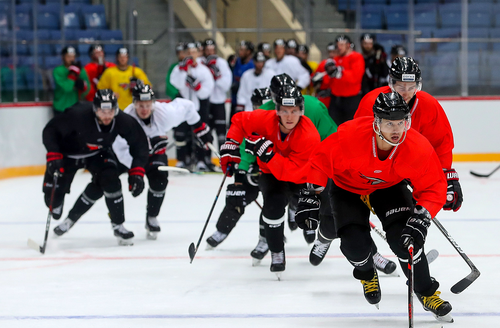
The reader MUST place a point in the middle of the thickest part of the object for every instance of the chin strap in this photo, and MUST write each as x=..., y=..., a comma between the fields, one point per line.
x=376, y=129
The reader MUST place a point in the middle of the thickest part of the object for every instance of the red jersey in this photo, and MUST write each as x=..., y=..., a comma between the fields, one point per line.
x=427, y=117
x=325, y=84
x=350, y=158
x=353, y=69
x=291, y=152
x=94, y=71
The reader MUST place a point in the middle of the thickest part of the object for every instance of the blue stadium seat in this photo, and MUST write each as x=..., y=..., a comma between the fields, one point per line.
x=43, y=49
x=56, y=36
x=107, y=35
x=397, y=20
x=8, y=79
x=372, y=2
x=52, y=61
x=72, y=18
x=89, y=35
x=425, y=7
x=479, y=19
x=397, y=8
x=484, y=7
x=451, y=19
x=94, y=17
x=445, y=69
x=51, y=8
x=342, y=5
x=373, y=9
x=83, y=2
x=478, y=33
x=29, y=61
x=24, y=8
x=448, y=33
x=495, y=33
x=23, y=49
x=47, y=20
x=450, y=7
x=426, y=19
x=474, y=58
x=23, y=20
x=372, y=20
x=30, y=76
x=496, y=19
x=426, y=33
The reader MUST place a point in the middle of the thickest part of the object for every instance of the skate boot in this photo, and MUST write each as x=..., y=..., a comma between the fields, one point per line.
x=260, y=251
x=318, y=251
x=278, y=263
x=201, y=167
x=439, y=308
x=291, y=219
x=215, y=239
x=309, y=236
x=64, y=227
x=152, y=227
x=123, y=235
x=371, y=289
x=181, y=165
x=382, y=264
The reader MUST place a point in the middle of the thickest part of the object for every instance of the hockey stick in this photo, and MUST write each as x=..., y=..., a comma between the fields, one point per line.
x=213, y=149
x=258, y=204
x=173, y=169
x=411, y=283
x=31, y=242
x=471, y=277
x=431, y=256
x=192, y=249
x=484, y=175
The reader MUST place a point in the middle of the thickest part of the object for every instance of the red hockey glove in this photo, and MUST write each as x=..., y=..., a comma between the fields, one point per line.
x=211, y=60
x=193, y=83
x=186, y=63
x=202, y=132
x=158, y=145
x=257, y=145
x=54, y=163
x=454, y=196
x=74, y=72
x=229, y=156
x=136, y=180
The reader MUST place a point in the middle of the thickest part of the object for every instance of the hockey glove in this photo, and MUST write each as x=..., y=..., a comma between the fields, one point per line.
x=229, y=156
x=202, y=132
x=416, y=227
x=193, y=83
x=317, y=79
x=158, y=145
x=80, y=84
x=74, y=71
x=136, y=180
x=259, y=146
x=307, y=213
x=211, y=60
x=330, y=67
x=235, y=197
x=186, y=63
x=454, y=196
x=54, y=163
x=133, y=83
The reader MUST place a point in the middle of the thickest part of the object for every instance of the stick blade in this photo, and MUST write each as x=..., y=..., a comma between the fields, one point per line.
x=32, y=244
x=479, y=175
x=173, y=169
x=432, y=255
x=192, y=252
x=466, y=282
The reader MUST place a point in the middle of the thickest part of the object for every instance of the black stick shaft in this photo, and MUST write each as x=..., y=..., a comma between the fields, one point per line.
x=411, y=283
x=49, y=216
x=485, y=175
x=208, y=219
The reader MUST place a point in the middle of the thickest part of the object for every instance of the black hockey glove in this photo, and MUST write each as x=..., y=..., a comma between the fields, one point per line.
x=416, y=228
x=307, y=214
x=158, y=145
x=330, y=67
x=229, y=156
x=454, y=196
x=193, y=83
x=136, y=180
x=257, y=145
x=235, y=197
x=317, y=79
x=80, y=84
x=54, y=163
x=202, y=132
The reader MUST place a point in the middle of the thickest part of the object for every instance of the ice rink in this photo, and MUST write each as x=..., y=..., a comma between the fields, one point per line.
x=86, y=280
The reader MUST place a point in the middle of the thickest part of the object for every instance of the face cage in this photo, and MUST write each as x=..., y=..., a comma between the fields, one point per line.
x=153, y=104
x=392, y=82
x=117, y=109
x=376, y=128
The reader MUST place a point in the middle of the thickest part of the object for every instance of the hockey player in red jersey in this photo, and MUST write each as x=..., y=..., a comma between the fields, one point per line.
x=370, y=160
x=427, y=117
x=282, y=141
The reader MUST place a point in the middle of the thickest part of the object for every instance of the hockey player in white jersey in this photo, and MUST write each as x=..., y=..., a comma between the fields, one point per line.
x=223, y=78
x=255, y=78
x=288, y=64
x=196, y=83
x=156, y=119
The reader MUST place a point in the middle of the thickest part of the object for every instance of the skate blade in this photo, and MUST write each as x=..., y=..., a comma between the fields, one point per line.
x=445, y=318
x=278, y=275
x=151, y=235
x=255, y=262
x=377, y=306
x=209, y=247
x=125, y=242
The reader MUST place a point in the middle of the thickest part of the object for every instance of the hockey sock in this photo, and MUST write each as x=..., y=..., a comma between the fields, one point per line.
x=262, y=227
x=274, y=233
x=114, y=202
x=356, y=246
x=86, y=200
x=155, y=199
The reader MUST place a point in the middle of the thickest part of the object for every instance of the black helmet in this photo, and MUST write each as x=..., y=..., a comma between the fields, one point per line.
x=180, y=47
x=259, y=57
x=190, y=45
x=95, y=47
x=68, y=50
x=259, y=95
x=289, y=95
x=304, y=48
x=279, y=42
x=105, y=99
x=208, y=43
x=343, y=38
x=263, y=46
x=398, y=50
x=367, y=37
x=405, y=69
x=143, y=92
x=331, y=46
x=122, y=51
x=291, y=44
x=248, y=45
x=279, y=81
x=391, y=106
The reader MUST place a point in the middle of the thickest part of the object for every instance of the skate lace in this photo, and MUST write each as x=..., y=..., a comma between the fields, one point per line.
x=153, y=222
x=320, y=248
x=277, y=258
x=219, y=236
x=121, y=229
x=380, y=261
x=432, y=302
x=262, y=246
x=370, y=285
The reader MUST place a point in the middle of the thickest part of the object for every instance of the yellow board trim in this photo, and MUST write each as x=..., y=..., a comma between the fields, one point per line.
x=476, y=157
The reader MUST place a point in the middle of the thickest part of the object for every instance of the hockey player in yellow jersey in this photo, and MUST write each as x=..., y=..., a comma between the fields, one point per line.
x=122, y=78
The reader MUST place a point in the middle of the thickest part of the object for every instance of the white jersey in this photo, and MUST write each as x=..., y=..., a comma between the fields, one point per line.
x=249, y=82
x=290, y=65
x=223, y=83
x=202, y=74
x=165, y=117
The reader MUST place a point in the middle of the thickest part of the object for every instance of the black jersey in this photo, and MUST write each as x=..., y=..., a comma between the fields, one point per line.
x=77, y=134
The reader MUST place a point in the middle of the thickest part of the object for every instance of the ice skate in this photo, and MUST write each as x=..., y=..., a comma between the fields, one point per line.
x=309, y=236
x=62, y=228
x=260, y=251
x=278, y=263
x=382, y=264
x=291, y=219
x=318, y=251
x=439, y=308
x=371, y=290
x=181, y=165
x=123, y=235
x=215, y=239
x=152, y=228
x=201, y=167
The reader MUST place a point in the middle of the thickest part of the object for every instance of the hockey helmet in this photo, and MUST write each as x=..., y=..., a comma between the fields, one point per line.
x=398, y=50
x=208, y=43
x=105, y=100
x=279, y=42
x=68, y=50
x=247, y=45
x=143, y=92
x=289, y=96
x=304, y=48
x=179, y=47
x=278, y=81
x=95, y=47
x=405, y=69
x=367, y=37
x=391, y=106
x=291, y=44
x=122, y=51
x=260, y=96
x=259, y=57
x=263, y=46
x=331, y=46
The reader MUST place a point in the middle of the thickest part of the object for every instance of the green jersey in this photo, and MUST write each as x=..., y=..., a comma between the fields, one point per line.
x=170, y=90
x=65, y=94
x=314, y=109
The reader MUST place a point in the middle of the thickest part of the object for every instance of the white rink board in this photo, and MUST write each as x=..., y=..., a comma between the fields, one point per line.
x=86, y=280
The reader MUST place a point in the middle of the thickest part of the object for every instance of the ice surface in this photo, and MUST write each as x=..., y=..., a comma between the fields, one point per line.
x=86, y=280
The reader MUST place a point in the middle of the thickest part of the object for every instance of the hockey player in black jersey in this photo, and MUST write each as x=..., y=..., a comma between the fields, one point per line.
x=82, y=138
